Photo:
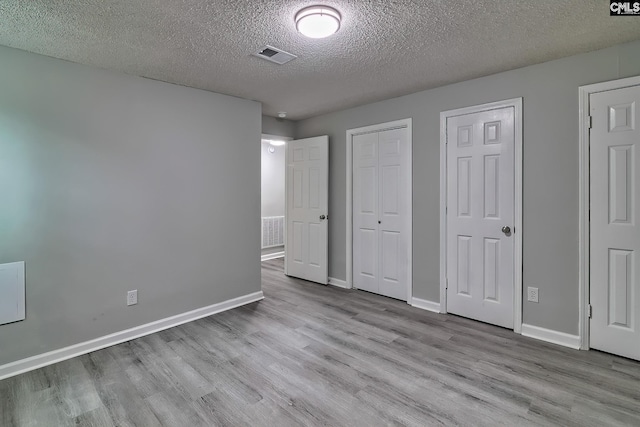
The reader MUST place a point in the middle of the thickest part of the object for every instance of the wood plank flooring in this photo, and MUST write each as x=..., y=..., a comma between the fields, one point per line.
x=315, y=355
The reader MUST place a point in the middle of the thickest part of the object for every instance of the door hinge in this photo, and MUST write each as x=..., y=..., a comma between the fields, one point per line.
x=590, y=310
x=590, y=121
x=447, y=283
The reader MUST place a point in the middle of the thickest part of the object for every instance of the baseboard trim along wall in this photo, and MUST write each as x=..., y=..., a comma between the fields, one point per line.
x=267, y=257
x=425, y=305
x=338, y=283
x=55, y=356
x=554, y=337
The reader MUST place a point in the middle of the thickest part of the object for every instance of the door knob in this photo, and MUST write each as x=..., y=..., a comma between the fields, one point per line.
x=506, y=230
x=322, y=217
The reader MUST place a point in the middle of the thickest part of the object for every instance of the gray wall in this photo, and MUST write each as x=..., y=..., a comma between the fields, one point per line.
x=550, y=238
x=277, y=126
x=110, y=182
x=273, y=172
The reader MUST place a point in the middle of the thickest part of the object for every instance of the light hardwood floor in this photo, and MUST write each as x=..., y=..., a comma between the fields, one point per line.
x=315, y=355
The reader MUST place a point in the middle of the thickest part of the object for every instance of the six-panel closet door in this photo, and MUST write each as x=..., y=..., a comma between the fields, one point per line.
x=615, y=221
x=481, y=215
x=382, y=212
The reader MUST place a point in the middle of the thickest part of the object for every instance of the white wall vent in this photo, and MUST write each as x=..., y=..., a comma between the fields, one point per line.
x=274, y=54
x=272, y=231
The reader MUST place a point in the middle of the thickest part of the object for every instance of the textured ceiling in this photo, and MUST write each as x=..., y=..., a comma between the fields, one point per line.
x=385, y=48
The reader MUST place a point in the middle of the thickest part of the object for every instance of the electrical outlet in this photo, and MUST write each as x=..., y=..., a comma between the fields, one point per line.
x=132, y=297
x=532, y=294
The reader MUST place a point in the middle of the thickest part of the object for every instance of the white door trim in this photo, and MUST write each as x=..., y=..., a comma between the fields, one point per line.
x=286, y=206
x=270, y=136
x=584, y=198
x=516, y=103
x=398, y=124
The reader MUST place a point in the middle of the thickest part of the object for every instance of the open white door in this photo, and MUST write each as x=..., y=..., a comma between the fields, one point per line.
x=307, y=244
x=480, y=215
x=615, y=221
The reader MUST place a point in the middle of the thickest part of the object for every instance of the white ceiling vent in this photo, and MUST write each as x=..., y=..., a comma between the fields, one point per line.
x=274, y=54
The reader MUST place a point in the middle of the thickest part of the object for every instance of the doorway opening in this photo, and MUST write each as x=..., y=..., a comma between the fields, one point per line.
x=273, y=170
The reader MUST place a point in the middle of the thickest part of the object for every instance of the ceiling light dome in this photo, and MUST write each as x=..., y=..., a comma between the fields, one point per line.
x=318, y=22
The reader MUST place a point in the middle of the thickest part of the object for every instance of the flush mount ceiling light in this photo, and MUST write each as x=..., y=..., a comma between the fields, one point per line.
x=318, y=22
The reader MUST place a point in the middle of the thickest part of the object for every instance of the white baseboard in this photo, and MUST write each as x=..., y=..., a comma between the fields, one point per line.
x=338, y=283
x=55, y=356
x=425, y=305
x=267, y=257
x=554, y=337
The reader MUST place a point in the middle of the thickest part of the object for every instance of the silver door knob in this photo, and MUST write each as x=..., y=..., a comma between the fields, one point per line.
x=322, y=217
x=506, y=230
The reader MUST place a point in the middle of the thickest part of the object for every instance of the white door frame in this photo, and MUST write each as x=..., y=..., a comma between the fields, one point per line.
x=397, y=124
x=584, y=198
x=516, y=103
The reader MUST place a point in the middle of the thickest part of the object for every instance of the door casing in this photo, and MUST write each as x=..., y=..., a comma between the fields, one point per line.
x=404, y=123
x=584, y=201
x=516, y=103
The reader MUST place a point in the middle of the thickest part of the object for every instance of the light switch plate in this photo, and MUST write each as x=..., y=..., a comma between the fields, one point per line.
x=12, y=292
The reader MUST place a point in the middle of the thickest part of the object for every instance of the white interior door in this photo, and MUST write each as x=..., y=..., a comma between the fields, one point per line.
x=365, y=212
x=382, y=212
x=307, y=248
x=615, y=219
x=481, y=215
